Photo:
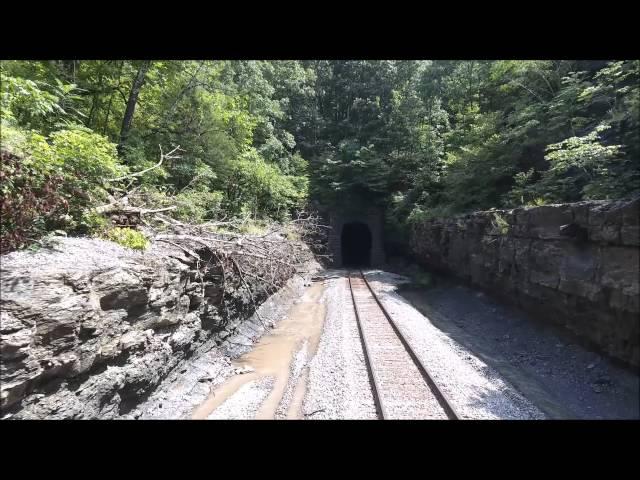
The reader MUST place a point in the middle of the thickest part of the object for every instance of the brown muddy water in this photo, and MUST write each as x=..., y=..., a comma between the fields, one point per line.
x=272, y=356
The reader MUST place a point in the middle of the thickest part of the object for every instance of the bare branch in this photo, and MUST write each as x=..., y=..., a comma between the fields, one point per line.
x=169, y=156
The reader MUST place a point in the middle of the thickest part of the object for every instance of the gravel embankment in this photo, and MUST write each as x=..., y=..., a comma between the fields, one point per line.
x=186, y=387
x=338, y=383
x=298, y=363
x=549, y=366
x=244, y=404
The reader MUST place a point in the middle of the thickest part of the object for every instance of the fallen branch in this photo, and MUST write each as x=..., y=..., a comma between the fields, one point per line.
x=169, y=155
x=118, y=207
x=253, y=300
x=185, y=250
x=157, y=210
x=314, y=412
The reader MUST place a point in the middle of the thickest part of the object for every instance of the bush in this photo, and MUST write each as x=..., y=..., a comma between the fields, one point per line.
x=499, y=225
x=31, y=103
x=580, y=168
x=421, y=214
x=197, y=206
x=31, y=200
x=87, y=158
x=92, y=223
x=127, y=237
x=252, y=228
x=52, y=182
x=262, y=189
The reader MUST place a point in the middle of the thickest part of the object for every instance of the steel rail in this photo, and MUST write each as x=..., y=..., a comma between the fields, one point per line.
x=365, y=345
x=444, y=402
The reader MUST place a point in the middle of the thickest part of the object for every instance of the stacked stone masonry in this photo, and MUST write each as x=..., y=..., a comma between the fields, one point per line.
x=574, y=264
x=374, y=220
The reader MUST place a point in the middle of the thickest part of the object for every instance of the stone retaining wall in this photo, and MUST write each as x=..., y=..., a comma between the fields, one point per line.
x=573, y=264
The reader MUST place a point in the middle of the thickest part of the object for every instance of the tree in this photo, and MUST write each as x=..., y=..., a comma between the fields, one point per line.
x=259, y=138
x=138, y=81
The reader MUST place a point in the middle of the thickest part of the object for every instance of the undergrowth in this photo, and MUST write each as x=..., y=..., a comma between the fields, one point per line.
x=127, y=237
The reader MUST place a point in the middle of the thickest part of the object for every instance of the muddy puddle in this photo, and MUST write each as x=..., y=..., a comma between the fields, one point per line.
x=272, y=357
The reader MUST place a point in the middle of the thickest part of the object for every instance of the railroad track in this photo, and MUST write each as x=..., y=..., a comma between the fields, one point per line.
x=402, y=386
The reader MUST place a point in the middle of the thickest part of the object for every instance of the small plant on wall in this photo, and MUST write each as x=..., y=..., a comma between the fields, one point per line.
x=127, y=237
x=499, y=225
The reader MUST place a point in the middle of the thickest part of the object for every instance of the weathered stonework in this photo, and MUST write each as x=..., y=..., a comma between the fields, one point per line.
x=574, y=264
x=372, y=217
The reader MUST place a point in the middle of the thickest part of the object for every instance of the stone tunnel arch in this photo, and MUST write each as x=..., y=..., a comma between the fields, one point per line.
x=372, y=218
x=356, y=242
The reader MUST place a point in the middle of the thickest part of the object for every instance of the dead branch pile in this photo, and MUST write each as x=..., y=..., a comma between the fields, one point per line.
x=121, y=207
x=244, y=268
x=223, y=257
x=278, y=252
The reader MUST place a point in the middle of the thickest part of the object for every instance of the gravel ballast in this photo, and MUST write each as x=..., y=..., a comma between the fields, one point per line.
x=244, y=404
x=299, y=362
x=334, y=383
x=338, y=384
x=403, y=391
x=475, y=389
x=551, y=368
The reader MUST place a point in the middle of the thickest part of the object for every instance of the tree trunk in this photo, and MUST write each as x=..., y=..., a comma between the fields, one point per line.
x=131, y=103
x=96, y=98
x=106, y=121
x=69, y=68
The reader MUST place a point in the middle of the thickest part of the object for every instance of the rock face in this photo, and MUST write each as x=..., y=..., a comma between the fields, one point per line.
x=573, y=264
x=89, y=328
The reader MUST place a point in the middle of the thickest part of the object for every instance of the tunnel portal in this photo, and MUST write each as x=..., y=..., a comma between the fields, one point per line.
x=356, y=245
x=355, y=236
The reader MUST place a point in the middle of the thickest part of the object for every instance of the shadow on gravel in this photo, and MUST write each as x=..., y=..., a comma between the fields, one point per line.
x=549, y=367
x=492, y=400
x=562, y=378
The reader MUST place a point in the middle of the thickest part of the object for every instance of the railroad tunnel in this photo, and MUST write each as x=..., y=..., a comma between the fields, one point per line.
x=355, y=235
x=356, y=243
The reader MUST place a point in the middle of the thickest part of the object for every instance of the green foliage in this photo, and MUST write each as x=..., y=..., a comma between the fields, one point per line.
x=55, y=182
x=428, y=139
x=257, y=188
x=580, y=168
x=83, y=160
x=197, y=206
x=86, y=157
x=499, y=224
x=251, y=227
x=260, y=138
x=92, y=223
x=127, y=237
x=37, y=105
x=421, y=213
x=238, y=156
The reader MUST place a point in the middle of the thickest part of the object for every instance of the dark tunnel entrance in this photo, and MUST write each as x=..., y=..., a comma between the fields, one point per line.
x=356, y=245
